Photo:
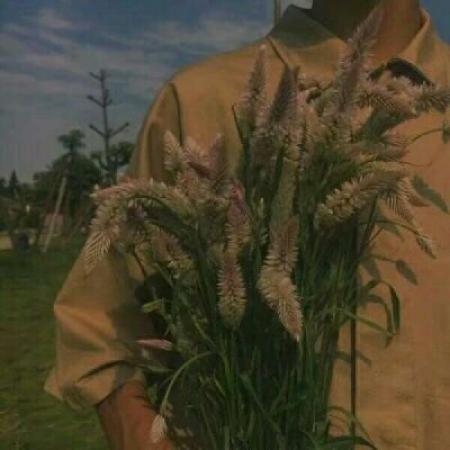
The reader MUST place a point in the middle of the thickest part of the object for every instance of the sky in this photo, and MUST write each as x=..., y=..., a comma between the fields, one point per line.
x=47, y=49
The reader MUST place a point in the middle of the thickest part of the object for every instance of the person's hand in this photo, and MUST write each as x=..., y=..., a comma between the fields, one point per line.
x=126, y=417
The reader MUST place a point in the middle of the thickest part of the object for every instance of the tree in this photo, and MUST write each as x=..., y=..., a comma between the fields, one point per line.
x=13, y=185
x=15, y=207
x=120, y=157
x=72, y=142
x=112, y=155
x=3, y=187
x=83, y=177
x=4, y=191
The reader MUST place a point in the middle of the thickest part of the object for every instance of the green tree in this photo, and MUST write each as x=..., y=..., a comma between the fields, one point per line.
x=13, y=185
x=3, y=187
x=3, y=194
x=120, y=155
x=72, y=141
x=15, y=206
x=67, y=195
x=81, y=180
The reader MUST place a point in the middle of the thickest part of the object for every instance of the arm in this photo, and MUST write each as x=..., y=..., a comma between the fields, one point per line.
x=97, y=317
x=125, y=416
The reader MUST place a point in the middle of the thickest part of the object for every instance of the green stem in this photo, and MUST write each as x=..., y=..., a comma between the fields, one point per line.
x=353, y=336
x=176, y=375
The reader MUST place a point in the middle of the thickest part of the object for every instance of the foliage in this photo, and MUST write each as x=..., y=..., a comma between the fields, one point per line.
x=261, y=266
x=13, y=185
x=119, y=157
x=83, y=176
x=16, y=200
x=72, y=141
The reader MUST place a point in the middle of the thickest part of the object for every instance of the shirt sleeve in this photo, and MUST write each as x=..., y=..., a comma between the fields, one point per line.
x=97, y=316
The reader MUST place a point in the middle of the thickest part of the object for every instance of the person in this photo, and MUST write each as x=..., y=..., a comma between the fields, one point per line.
x=403, y=392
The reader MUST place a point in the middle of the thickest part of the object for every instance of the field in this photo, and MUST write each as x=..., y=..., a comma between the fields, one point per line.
x=29, y=418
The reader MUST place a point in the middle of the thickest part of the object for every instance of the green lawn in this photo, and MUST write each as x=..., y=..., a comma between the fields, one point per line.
x=29, y=418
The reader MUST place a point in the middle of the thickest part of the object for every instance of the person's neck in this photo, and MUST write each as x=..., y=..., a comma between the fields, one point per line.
x=401, y=21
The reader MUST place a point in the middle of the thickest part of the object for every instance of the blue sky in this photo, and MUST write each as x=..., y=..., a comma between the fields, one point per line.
x=48, y=47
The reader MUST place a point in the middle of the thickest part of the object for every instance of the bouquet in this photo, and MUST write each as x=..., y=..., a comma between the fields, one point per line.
x=257, y=271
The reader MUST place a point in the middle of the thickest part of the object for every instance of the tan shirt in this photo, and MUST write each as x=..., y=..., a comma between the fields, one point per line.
x=404, y=389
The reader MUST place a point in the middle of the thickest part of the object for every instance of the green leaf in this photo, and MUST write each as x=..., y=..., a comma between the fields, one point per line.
x=248, y=385
x=446, y=132
x=364, y=290
x=429, y=193
x=370, y=265
x=350, y=417
x=157, y=369
x=389, y=316
x=345, y=357
x=395, y=307
x=313, y=441
x=368, y=322
x=387, y=225
x=406, y=271
x=155, y=305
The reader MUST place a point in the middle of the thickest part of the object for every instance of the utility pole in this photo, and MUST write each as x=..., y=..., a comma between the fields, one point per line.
x=72, y=141
x=106, y=133
x=276, y=11
x=51, y=229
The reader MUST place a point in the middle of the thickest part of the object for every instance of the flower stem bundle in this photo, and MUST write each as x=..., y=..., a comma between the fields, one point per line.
x=261, y=266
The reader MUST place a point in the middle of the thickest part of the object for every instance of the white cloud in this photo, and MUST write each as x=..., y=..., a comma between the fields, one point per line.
x=212, y=33
x=44, y=77
x=50, y=19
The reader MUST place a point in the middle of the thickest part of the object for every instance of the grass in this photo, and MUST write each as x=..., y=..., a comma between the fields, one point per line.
x=30, y=419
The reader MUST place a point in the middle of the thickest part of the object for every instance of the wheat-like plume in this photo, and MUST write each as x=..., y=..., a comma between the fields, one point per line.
x=377, y=95
x=96, y=247
x=232, y=298
x=284, y=105
x=433, y=98
x=175, y=159
x=274, y=280
x=197, y=156
x=218, y=161
x=123, y=210
x=158, y=429
x=354, y=65
x=354, y=195
x=280, y=293
x=362, y=152
x=284, y=197
x=283, y=248
x=166, y=248
x=399, y=200
x=238, y=219
x=254, y=100
x=408, y=190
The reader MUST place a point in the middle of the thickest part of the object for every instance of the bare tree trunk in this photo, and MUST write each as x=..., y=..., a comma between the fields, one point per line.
x=47, y=205
x=51, y=229
x=109, y=165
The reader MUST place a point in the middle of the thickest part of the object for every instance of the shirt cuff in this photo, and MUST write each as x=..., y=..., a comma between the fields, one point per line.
x=92, y=389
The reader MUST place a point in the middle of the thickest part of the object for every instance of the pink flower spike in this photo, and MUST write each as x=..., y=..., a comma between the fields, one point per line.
x=156, y=344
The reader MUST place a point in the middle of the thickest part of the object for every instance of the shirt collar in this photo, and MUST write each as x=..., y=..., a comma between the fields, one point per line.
x=298, y=39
